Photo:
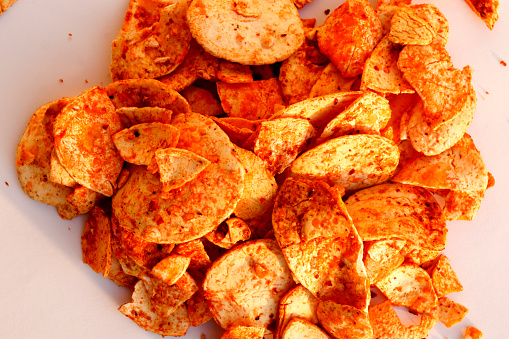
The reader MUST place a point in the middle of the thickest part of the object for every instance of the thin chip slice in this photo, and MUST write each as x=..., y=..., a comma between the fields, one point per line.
x=350, y=161
x=398, y=211
x=349, y=35
x=202, y=101
x=200, y=260
x=265, y=31
x=58, y=174
x=444, y=279
x=472, y=333
x=261, y=279
x=83, y=199
x=381, y=258
x=178, y=166
x=130, y=116
x=343, y=321
x=386, y=323
x=95, y=242
x=331, y=81
x=198, y=309
x=232, y=72
x=487, y=10
x=298, y=302
x=409, y=286
x=298, y=328
x=141, y=311
x=83, y=144
x=449, y=312
x=407, y=28
x=171, y=268
x=238, y=134
x=243, y=332
x=230, y=233
x=118, y=276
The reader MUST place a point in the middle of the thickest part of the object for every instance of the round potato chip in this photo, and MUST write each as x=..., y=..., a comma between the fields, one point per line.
x=197, y=207
x=246, y=31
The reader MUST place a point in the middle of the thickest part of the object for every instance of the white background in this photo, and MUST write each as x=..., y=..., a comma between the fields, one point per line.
x=46, y=291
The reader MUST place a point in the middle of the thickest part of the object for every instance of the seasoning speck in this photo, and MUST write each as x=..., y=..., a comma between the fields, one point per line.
x=503, y=63
x=61, y=80
x=327, y=11
x=6, y=183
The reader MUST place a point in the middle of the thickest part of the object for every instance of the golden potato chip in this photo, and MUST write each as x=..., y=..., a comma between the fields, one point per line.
x=381, y=72
x=386, y=323
x=229, y=233
x=297, y=303
x=171, y=268
x=399, y=211
x=253, y=101
x=431, y=14
x=418, y=255
x=139, y=143
x=128, y=265
x=444, y=278
x=200, y=260
x=197, y=207
x=279, y=141
x=400, y=105
x=487, y=10
x=243, y=332
x=232, y=72
x=95, y=242
x=409, y=286
x=83, y=199
x=450, y=312
x=381, y=257
x=238, y=133
x=146, y=93
x=130, y=116
x=350, y=161
x=407, y=28
x=166, y=299
x=202, y=101
x=368, y=114
x=198, y=309
x=298, y=328
x=264, y=31
x=83, y=144
x=349, y=35
x=331, y=81
x=178, y=166
x=259, y=187
x=33, y=157
x=472, y=333
x=252, y=296
x=343, y=321
x=197, y=64
x=58, y=174
x=142, y=312
x=118, y=276
x=6, y=4
x=153, y=51
x=385, y=10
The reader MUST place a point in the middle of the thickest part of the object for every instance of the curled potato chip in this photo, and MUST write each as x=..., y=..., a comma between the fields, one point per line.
x=118, y=276
x=130, y=116
x=450, y=312
x=229, y=233
x=350, y=161
x=303, y=329
x=399, y=211
x=202, y=101
x=487, y=10
x=266, y=31
x=386, y=323
x=171, y=268
x=83, y=199
x=262, y=277
x=297, y=303
x=238, y=133
x=241, y=332
x=409, y=286
x=349, y=35
x=444, y=278
x=143, y=313
x=95, y=242
x=343, y=321
x=83, y=144
x=368, y=114
x=381, y=257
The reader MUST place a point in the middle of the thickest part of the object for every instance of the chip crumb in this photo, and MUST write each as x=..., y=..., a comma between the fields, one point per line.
x=86, y=81
x=503, y=63
x=327, y=11
x=6, y=183
x=61, y=80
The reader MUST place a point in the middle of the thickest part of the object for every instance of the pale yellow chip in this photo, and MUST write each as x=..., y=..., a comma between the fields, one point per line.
x=298, y=302
x=343, y=321
x=178, y=166
x=171, y=268
x=298, y=328
x=83, y=144
x=143, y=313
x=243, y=332
x=58, y=174
x=449, y=312
x=331, y=81
x=407, y=28
x=381, y=258
x=409, y=286
x=350, y=161
x=246, y=31
x=95, y=242
x=487, y=10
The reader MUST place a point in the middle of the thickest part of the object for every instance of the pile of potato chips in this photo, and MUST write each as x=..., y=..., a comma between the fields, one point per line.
x=248, y=167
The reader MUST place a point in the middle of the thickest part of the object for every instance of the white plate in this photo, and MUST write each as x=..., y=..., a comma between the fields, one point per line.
x=46, y=291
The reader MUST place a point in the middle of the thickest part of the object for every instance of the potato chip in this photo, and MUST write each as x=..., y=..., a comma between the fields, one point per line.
x=349, y=35
x=409, y=286
x=386, y=324
x=232, y=72
x=297, y=303
x=178, y=166
x=444, y=278
x=349, y=161
x=83, y=144
x=83, y=199
x=200, y=260
x=130, y=116
x=153, y=51
x=118, y=276
x=331, y=81
x=6, y=4
x=229, y=233
x=202, y=101
x=301, y=3
x=58, y=174
x=242, y=332
x=400, y=105
x=95, y=242
x=253, y=101
x=407, y=28
x=298, y=328
x=264, y=31
x=472, y=333
x=146, y=93
x=238, y=133
x=368, y=114
x=197, y=207
x=139, y=143
x=450, y=312
x=385, y=10
x=141, y=311
x=418, y=255
x=171, y=268
x=279, y=141
x=381, y=257
x=198, y=309
x=487, y=10
x=343, y=321
x=398, y=211
x=431, y=14
x=252, y=296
